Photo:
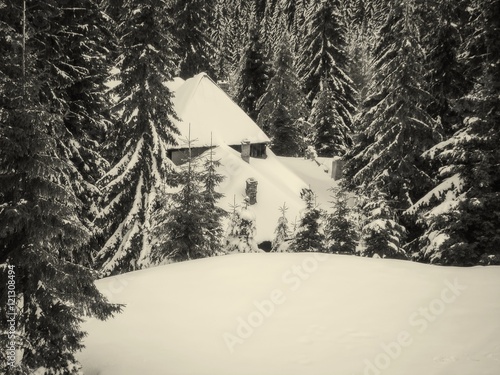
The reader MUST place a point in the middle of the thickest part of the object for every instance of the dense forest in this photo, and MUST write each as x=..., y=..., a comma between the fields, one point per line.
x=405, y=92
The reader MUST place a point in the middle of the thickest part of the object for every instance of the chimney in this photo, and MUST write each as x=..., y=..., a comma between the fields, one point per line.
x=251, y=190
x=245, y=150
x=337, y=166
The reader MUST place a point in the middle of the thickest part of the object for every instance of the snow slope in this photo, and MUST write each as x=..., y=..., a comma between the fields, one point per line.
x=314, y=175
x=291, y=314
x=276, y=185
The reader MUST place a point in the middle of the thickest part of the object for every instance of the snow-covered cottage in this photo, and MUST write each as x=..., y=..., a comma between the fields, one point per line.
x=212, y=118
x=209, y=117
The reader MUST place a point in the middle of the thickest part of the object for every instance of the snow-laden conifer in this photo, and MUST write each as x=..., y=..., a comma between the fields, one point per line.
x=240, y=234
x=460, y=212
x=309, y=234
x=282, y=106
x=193, y=23
x=381, y=235
x=341, y=227
x=395, y=127
x=191, y=225
x=282, y=232
x=144, y=126
x=323, y=57
x=42, y=224
x=331, y=134
x=252, y=75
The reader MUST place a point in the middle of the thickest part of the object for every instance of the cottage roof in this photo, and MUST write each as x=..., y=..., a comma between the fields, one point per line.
x=212, y=115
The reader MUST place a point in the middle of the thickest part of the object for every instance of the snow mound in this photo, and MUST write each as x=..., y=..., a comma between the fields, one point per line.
x=298, y=314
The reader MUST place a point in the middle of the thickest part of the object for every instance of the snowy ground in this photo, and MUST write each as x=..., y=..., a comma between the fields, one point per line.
x=287, y=314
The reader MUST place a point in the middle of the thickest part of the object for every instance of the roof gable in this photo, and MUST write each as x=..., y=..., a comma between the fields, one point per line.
x=212, y=116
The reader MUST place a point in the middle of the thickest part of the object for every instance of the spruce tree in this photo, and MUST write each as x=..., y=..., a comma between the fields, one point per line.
x=252, y=76
x=341, y=226
x=323, y=57
x=362, y=26
x=282, y=231
x=309, y=235
x=396, y=127
x=282, y=106
x=191, y=227
x=87, y=39
x=331, y=135
x=240, y=235
x=381, y=235
x=443, y=31
x=193, y=23
x=144, y=128
x=42, y=225
x=224, y=61
x=213, y=215
x=461, y=213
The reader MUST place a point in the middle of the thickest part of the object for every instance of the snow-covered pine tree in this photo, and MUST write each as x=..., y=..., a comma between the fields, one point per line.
x=86, y=38
x=341, y=228
x=240, y=235
x=191, y=226
x=41, y=222
x=192, y=29
x=272, y=26
x=282, y=231
x=443, y=32
x=144, y=128
x=323, y=58
x=396, y=126
x=294, y=13
x=283, y=106
x=223, y=24
x=210, y=178
x=361, y=24
x=331, y=135
x=309, y=235
x=252, y=76
x=461, y=213
x=381, y=235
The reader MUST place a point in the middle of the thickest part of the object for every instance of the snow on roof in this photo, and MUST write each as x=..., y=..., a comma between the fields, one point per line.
x=211, y=114
x=175, y=84
x=276, y=185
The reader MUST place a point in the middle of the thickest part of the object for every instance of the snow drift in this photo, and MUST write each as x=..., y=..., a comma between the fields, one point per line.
x=291, y=314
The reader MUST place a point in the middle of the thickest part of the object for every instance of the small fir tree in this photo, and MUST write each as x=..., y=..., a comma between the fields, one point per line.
x=240, y=236
x=341, y=226
x=309, y=235
x=282, y=231
x=381, y=235
x=210, y=178
x=191, y=228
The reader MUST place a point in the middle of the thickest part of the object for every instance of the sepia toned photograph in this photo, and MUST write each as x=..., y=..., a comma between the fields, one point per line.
x=250, y=187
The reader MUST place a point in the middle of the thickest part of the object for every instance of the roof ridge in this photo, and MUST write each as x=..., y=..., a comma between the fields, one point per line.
x=199, y=77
